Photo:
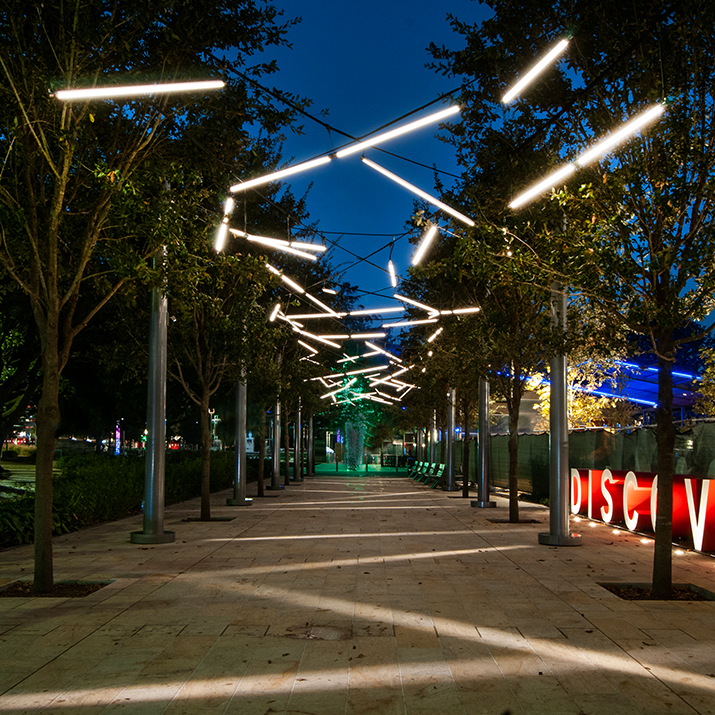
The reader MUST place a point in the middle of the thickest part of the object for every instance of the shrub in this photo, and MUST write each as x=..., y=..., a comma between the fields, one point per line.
x=94, y=488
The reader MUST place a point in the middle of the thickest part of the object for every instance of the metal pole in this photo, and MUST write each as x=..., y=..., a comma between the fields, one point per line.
x=153, y=531
x=559, y=433
x=483, y=459
x=432, y=435
x=311, y=449
x=297, y=446
x=449, y=461
x=276, y=474
x=239, y=480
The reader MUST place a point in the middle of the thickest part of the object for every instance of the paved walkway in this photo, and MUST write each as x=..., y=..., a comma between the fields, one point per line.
x=354, y=594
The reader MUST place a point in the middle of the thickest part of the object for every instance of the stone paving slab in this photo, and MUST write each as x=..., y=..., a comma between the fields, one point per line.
x=354, y=594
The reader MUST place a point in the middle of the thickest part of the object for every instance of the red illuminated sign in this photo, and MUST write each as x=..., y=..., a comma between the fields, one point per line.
x=624, y=496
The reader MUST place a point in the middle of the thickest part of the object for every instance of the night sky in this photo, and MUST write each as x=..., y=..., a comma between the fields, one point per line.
x=365, y=63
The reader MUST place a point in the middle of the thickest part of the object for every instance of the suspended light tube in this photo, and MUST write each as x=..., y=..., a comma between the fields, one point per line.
x=353, y=148
x=221, y=235
x=310, y=316
x=434, y=335
x=367, y=369
x=380, y=350
x=391, y=271
x=330, y=291
x=411, y=301
x=343, y=336
x=405, y=323
x=424, y=245
x=419, y=192
x=591, y=155
x=367, y=336
x=464, y=311
x=360, y=357
x=228, y=206
x=308, y=347
x=308, y=246
x=137, y=90
x=548, y=183
x=274, y=312
x=624, y=132
x=285, y=278
x=276, y=243
x=276, y=175
x=371, y=311
x=322, y=305
x=335, y=392
x=319, y=338
x=535, y=71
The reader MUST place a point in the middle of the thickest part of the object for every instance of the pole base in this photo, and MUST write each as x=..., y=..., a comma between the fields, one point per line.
x=139, y=537
x=548, y=539
x=276, y=488
x=239, y=502
x=482, y=504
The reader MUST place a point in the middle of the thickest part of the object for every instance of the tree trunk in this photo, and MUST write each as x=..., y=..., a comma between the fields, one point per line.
x=205, y=425
x=48, y=418
x=261, y=450
x=465, y=450
x=665, y=439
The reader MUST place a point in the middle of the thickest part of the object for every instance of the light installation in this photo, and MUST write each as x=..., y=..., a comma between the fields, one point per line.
x=137, y=90
x=535, y=71
x=415, y=190
x=424, y=245
x=590, y=155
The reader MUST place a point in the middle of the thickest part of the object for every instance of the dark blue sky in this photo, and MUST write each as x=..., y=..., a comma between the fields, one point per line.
x=365, y=63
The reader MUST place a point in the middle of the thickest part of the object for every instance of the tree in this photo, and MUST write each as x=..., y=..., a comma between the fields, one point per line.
x=640, y=222
x=82, y=186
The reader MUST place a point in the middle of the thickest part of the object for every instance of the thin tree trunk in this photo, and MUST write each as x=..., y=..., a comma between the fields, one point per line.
x=261, y=450
x=48, y=417
x=514, y=405
x=205, y=424
x=665, y=439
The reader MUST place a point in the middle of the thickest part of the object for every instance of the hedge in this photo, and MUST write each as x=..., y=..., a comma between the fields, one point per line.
x=98, y=488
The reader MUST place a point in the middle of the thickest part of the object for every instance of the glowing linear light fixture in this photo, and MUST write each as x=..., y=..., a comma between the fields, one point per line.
x=391, y=271
x=353, y=148
x=320, y=304
x=380, y=350
x=285, y=278
x=411, y=301
x=545, y=184
x=319, y=338
x=419, y=192
x=624, y=132
x=464, y=311
x=309, y=347
x=304, y=245
x=371, y=311
x=404, y=323
x=221, y=235
x=276, y=175
x=277, y=243
x=367, y=336
x=137, y=90
x=434, y=335
x=310, y=316
x=228, y=206
x=424, y=245
x=360, y=357
x=274, y=312
x=335, y=392
x=330, y=291
x=536, y=70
